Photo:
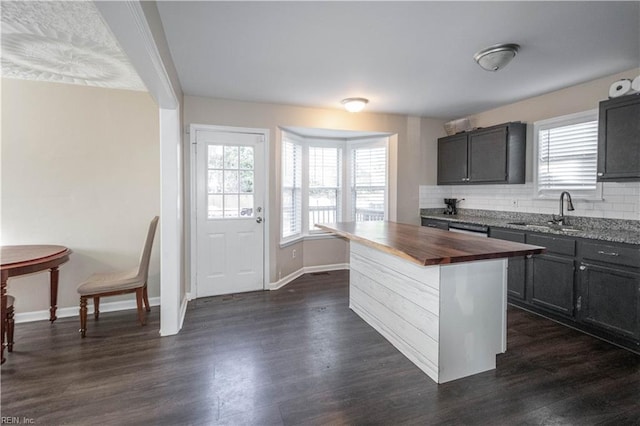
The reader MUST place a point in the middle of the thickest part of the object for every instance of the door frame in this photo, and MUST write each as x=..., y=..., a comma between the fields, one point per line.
x=192, y=219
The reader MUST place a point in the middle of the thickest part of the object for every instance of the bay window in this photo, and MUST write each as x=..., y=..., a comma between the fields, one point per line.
x=331, y=180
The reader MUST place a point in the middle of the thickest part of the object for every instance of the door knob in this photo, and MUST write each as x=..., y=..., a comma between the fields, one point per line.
x=259, y=219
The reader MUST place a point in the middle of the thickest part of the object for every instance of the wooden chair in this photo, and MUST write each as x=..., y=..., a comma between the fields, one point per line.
x=9, y=326
x=122, y=282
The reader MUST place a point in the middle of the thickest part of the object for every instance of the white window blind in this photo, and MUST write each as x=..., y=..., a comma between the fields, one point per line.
x=369, y=183
x=331, y=180
x=567, y=154
x=291, y=189
x=324, y=185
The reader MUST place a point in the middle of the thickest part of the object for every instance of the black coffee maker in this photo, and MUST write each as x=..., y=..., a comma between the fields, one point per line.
x=451, y=205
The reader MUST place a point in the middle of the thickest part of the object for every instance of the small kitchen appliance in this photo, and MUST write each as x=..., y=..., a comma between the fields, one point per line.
x=451, y=207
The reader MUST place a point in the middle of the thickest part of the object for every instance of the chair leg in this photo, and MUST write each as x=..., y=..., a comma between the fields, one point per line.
x=83, y=316
x=146, y=299
x=96, y=308
x=141, y=312
x=10, y=328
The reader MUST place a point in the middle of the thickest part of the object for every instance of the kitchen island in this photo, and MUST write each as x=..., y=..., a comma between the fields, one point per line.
x=439, y=297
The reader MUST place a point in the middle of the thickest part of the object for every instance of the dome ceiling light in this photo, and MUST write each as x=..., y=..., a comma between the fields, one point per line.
x=496, y=57
x=354, y=104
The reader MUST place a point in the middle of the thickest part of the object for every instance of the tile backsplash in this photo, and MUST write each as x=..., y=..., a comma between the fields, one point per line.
x=621, y=200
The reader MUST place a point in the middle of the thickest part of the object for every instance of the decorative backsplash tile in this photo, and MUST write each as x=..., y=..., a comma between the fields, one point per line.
x=621, y=200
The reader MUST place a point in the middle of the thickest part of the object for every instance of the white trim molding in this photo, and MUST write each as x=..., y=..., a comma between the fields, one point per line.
x=122, y=305
x=307, y=270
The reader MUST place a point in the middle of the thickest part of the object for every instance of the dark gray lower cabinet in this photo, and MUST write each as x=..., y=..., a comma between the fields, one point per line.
x=589, y=285
x=516, y=265
x=610, y=299
x=552, y=283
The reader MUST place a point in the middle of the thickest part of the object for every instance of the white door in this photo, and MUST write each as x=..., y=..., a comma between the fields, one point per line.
x=230, y=188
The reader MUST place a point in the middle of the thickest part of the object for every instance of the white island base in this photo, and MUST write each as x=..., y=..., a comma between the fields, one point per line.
x=450, y=320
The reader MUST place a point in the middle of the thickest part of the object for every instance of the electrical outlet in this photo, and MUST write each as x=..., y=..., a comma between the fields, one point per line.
x=293, y=253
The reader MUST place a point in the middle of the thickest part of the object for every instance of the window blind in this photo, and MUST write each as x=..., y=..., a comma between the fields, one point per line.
x=369, y=182
x=324, y=185
x=567, y=157
x=291, y=189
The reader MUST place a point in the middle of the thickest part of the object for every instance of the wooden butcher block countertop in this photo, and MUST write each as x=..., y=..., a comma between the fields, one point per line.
x=428, y=246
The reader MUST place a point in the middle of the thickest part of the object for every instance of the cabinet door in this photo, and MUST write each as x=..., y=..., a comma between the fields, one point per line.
x=452, y=159
x=516, y=265
x=552, y=283
x=488, y=155
x=619, y=139
x=610, y=299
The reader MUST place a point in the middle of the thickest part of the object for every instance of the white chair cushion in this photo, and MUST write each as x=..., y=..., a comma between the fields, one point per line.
x=111, y=281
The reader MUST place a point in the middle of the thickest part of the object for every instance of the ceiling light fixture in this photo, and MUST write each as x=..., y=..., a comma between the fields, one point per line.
x=354, y=104
x=496, y=57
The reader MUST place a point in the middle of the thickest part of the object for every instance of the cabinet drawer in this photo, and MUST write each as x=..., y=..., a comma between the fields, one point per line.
x=557, y=245
x=435, y=223
x=504, y=234
x=610, y=253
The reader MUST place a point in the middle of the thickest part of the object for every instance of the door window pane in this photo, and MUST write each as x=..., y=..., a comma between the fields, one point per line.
x=246, y=181
x=215, y=156
x=215, y=182
x=214, y=206
x=231, y=205
x=246, y=158
x=230, y=157
x=230, y=181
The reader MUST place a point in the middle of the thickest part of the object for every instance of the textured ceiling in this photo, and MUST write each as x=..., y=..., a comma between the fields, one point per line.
x=405, y=57
x=63, y=42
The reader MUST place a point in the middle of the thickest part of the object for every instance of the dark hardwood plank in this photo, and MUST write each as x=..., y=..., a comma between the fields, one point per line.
x=300, y=356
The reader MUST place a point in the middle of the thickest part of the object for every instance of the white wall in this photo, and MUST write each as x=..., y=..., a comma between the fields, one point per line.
x=621, y=200
x=80, y=168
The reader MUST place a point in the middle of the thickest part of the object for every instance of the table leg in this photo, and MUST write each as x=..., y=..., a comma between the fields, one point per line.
x=3, y=310
x=54, y=294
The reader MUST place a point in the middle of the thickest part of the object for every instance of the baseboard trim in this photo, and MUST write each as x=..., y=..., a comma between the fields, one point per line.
x=306, y=270
x=74, y=311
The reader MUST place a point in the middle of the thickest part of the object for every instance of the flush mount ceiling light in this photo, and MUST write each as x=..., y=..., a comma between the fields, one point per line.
x=496, y=57
x=354, y=104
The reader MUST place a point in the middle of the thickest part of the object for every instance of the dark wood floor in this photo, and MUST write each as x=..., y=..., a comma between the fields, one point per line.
x=299, y=356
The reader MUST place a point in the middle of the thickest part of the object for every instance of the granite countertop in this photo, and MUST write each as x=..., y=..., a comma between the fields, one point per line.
x=614, y=230
x=427, y=246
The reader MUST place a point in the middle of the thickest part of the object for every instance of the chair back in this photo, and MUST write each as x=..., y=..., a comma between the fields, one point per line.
x=143, y=271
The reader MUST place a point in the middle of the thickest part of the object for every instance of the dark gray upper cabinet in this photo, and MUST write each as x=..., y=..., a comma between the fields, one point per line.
x=491, y=155
x=619, y=139
x=452, y=159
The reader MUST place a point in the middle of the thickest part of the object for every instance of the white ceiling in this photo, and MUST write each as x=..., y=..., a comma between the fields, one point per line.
x=64, y=42
x=405, y=57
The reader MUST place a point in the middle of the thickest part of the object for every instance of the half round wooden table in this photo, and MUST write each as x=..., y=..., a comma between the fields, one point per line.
x=26, y=259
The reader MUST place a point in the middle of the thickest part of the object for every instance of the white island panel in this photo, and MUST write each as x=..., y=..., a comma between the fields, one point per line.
x=448, y=320
x=473, y=317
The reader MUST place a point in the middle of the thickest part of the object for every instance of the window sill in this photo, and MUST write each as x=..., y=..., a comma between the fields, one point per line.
x=308, y=237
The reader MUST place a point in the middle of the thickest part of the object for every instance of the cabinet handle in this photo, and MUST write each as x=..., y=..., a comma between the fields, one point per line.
x=431, y=226
x=582, y=267
x=579, y=304
x=608, y=253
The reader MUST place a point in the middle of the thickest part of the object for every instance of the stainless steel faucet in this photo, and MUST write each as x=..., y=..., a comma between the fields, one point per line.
x=561, y=219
